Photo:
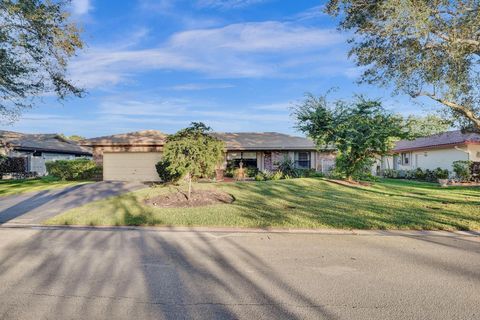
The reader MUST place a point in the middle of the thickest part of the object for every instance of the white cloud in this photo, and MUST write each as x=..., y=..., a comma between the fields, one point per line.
x=311, y=13
x=256, y=49
x=201, y=86
x=228, y=4
x=81, y=7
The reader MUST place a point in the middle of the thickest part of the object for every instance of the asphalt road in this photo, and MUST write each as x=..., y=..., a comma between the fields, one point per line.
x=35, y=207
x=141, y=274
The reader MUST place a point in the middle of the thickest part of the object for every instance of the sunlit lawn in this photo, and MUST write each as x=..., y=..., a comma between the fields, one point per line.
x=299, y=203
x=10, y=187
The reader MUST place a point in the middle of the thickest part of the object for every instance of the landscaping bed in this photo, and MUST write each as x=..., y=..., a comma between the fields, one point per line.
x=198, y=198
x=295, y=203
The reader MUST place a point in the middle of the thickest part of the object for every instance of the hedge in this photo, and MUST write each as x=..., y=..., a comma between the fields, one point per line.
x=81, y=169
x=12, y=165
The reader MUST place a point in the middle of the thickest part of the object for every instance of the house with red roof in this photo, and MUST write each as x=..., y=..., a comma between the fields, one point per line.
x=435, y=151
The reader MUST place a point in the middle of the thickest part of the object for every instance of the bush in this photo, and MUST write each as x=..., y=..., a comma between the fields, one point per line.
x=260, y=177
x=390, y=173
x=287, y=167
x=419, y=174
x=277, y=175
x=81, y=169
x=440, y=173
x=463, y=170
x=165, y=175
x=12, y=164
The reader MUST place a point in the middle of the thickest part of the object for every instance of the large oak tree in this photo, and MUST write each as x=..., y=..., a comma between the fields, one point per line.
x=37, y=39
x=424, y=48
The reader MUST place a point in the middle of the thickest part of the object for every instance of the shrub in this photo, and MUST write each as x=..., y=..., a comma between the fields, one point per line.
x=463, y=170
x=419, y=174
x=166, y=175
x=12, y=164
x=251, y=171
x=287, y=167
x=440, y=173
x=277, y=175
x=260, y=177
x=390, y=173
x=81, y=169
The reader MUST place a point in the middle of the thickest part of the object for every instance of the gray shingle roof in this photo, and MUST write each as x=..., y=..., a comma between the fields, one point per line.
x=264, y=141
x=144, y=137
x=41, y=142
x=233, y=141
x=448, y=138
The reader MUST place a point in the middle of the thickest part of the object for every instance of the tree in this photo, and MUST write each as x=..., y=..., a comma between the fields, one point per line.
x=359, y=130
x=36, y=41
x=424, y=48
x=192, y=153
x=416, y=127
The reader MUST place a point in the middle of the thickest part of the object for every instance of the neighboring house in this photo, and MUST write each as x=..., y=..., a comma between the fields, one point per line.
x=436, y=151
x=132, y=156
x=39, y=148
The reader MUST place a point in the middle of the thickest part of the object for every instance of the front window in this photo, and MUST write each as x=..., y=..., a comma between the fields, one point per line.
x=249, y=159
x=302, y=160
x=405, y=158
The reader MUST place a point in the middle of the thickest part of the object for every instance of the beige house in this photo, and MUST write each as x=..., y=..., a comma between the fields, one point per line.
x=436, y=151
x=132, y=156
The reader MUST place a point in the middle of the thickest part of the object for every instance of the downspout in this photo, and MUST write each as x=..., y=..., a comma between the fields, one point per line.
x=462, y=150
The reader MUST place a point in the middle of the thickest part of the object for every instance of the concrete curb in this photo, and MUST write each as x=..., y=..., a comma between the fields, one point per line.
x=355, y=232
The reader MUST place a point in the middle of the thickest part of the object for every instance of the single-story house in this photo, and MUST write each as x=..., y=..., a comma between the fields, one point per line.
x=39, y=148
x=435, y=151
x=132, y=156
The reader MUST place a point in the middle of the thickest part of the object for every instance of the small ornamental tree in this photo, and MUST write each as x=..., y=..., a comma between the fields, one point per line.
x=191, y=153
x=359, y=130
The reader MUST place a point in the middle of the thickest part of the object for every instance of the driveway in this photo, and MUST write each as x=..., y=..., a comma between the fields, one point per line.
x=140, y=274
x=35, y=207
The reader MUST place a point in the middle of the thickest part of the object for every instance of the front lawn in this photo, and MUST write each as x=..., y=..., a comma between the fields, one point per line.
x=10, y=187
x=298, y=203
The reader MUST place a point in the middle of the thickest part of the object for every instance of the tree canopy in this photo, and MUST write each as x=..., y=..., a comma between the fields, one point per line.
x=37, y=40
x=418, y=126
x=192, y=153
x=360, y=130
x=424, y=48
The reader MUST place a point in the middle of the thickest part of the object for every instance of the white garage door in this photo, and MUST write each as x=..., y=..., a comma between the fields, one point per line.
x=130, y=166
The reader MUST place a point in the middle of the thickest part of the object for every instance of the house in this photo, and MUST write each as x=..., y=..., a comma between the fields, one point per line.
x=132, y=156
x=39, y=148
x=435, y=151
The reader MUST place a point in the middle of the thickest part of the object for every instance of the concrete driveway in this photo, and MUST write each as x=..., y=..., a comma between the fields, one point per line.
x=35, y=207
x=138, y=274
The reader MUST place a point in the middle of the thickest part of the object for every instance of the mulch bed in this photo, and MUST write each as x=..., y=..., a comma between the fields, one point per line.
x=198, y=198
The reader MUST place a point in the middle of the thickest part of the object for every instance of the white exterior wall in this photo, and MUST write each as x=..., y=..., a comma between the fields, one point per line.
x=474, y=152
x=433, y=158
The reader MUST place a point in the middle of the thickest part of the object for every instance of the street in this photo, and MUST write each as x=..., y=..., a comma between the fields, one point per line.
x=61, y=273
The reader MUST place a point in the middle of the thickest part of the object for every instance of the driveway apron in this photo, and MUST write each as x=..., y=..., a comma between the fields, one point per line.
x=35, y=207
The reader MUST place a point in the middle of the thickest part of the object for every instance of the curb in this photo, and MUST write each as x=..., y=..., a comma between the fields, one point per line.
x=353, y=232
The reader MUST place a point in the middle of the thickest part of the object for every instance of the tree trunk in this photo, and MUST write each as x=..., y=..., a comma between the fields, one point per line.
x=189, y=186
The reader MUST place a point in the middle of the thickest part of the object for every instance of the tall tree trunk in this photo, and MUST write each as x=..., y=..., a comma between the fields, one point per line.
x=189, y=186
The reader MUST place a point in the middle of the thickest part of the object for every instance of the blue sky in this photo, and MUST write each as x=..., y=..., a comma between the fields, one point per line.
x=237, y=65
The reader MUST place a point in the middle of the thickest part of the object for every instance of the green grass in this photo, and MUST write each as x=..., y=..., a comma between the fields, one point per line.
x=10, y=187
x=299, y=203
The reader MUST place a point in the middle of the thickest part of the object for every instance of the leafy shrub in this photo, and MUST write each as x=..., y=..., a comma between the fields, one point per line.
x=260, y=177
x=251, y=171
x=440, y=173
x=166, y=175
x=287, y=167
x=277, y=175
x=390, y=173
x=80, y=169
x=12, y=164
x=463, y=170
x=419, y=174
